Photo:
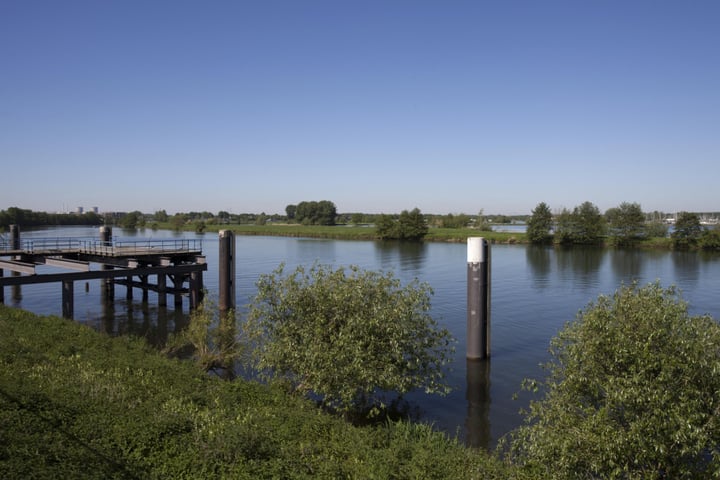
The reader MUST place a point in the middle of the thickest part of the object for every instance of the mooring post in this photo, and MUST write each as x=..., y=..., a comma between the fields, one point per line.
x=478, y=298
x=226, y=260
x=15, y=244
x=14, y=237
x=2, y=289
x=67, y=299
x=106, y=242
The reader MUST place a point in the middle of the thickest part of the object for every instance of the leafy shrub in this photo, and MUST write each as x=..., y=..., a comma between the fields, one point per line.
x=347, y=335
x=633, y=392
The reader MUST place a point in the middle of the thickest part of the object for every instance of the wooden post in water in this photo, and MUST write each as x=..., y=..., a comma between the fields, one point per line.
x=478, y=298
x=106, y=241
x=15, y=244
x=226, y=266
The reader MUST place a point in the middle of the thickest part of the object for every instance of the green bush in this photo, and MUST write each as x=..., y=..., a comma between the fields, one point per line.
x=633, y=392
x=347, y=335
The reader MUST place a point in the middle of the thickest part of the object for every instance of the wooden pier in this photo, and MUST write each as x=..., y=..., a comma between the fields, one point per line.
x=131, y=264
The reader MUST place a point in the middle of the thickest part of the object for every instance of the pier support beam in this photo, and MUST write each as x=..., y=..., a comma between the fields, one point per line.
x=144, y=283
x=478, y=298
x=2, y=289
x=15, y=244
x=162, y=289
x=226, y=266
x=109, y=284
x=67, y=298
x=14, y=237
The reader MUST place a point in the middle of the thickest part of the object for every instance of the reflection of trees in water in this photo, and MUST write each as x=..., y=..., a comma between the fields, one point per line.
x=410, y=255
x=321, y=250
x=627, y=263
x=583, y=263
x=687, y=267
x=539, y=261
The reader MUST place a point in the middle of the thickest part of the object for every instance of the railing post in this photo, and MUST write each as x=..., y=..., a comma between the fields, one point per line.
x=478, y=298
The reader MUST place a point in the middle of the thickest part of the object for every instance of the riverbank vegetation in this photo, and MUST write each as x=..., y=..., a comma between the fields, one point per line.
x=75, y=403
x=632, y=391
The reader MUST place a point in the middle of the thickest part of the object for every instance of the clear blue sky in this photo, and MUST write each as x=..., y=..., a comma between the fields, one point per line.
x=378, y=106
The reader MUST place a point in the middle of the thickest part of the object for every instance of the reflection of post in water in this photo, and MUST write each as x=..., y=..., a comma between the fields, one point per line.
x=477, y=422
x=108, y=312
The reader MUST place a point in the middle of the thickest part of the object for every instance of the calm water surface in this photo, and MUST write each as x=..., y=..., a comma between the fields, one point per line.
x=535, y=291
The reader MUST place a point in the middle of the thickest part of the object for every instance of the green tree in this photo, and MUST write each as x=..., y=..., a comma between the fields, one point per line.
x=633, y=392
x=656, y=228
x=585, y=225
x=347, y=335
x=412, y=225
x=626, y=223
x=290, y=211
x=590, y=223
x=565, y=227
x=688, y=230
x=132, y=220
x=540, y=224
x=314, y=213
x=454, y=221
x=161, y=216
x=386, y=228
x=710, y=238
x=178, y=221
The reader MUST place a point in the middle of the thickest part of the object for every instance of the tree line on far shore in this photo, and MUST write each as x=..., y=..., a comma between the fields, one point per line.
x=624, y=225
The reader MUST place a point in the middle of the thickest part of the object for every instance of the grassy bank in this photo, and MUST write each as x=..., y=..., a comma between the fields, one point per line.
x=75, y=403
x=351, y=232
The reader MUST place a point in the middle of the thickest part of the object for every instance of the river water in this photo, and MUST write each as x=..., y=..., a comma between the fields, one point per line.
x=535, y=291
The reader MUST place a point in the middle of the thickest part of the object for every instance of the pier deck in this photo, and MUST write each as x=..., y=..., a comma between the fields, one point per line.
x=113, y=262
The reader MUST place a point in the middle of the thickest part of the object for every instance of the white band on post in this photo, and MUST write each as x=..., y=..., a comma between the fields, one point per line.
x=475, y=250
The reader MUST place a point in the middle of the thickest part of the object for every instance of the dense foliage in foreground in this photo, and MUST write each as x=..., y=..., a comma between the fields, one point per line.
x=633, y=392
x=77, y=404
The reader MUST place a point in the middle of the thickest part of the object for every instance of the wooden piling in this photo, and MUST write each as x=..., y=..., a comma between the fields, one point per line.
x=108, y=284
x=478, y=298
x=15, y=244
x=226, y=266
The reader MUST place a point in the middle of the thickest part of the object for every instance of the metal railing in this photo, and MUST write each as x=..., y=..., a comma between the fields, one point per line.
x=143, y=247
x=98, y=247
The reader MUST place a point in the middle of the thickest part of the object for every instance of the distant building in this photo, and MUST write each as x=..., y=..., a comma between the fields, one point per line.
x=79, y=210
x=95, y=210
